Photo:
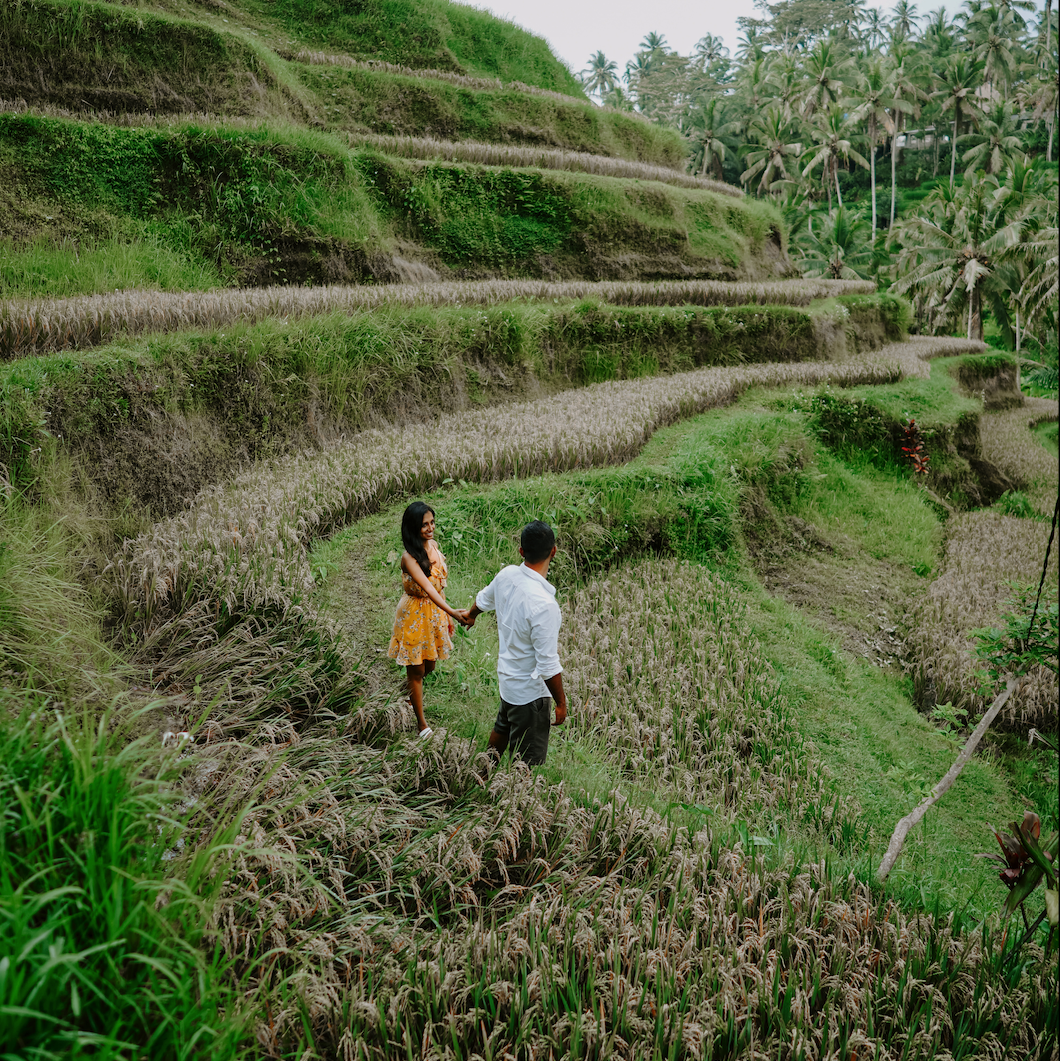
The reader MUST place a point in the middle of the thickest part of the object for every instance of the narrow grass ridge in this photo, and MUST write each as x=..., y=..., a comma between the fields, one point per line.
x=430, y=149
x=34, y=327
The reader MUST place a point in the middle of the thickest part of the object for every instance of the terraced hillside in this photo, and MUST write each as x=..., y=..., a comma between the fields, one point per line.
x=191, y=146
x=269, y=271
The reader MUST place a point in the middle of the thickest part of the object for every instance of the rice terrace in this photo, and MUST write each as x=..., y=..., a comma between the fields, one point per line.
x=769, y=339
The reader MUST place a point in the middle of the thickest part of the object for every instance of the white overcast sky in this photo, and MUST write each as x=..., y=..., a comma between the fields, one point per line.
x=578, y=28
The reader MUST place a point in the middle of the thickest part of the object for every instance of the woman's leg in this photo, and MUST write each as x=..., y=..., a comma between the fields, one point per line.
x=415, y=678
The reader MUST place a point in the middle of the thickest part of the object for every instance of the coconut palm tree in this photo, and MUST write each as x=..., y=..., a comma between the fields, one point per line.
x=874, y=29
x=949, y=251
x=770, y=152
x=994, y=33
x=905, y=20
x=958, y=82
x=994, y=143
x=825, y=69
x=601, y=75
x=831, y=131
x=837, y=245
x=711, y=128
x=906, y=92
x=876, y=98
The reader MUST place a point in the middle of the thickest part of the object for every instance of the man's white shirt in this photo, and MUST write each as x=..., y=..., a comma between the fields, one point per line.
x=528, y=625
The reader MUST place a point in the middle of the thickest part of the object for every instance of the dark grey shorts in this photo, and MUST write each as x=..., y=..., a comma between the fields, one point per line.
x=527, y=728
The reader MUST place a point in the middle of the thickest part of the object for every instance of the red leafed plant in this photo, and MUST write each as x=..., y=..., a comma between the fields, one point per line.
x=914, y=448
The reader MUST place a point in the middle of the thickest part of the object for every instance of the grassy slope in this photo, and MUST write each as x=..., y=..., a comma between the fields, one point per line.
x=152, y=420
x=102, y=58
x=871, y=527
x=196, y=205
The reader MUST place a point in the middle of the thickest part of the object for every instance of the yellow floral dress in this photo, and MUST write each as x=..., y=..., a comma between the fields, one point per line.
x=421, y=627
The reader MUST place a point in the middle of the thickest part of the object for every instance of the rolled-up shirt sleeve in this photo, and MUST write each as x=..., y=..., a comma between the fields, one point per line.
x=545, y=630
x=484, y=599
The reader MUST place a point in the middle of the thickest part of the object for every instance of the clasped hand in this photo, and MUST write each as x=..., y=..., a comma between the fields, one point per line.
x=464, y=617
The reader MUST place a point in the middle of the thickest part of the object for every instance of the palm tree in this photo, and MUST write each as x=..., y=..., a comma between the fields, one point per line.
x=993, y=33
x=949, y=250
x=876, y=97
x=905, y=20
x=995, y=142
x=654, y=42
x=711, y=129
x=601, y=75
x=830, y=133
x=771, y=152
x=906, y=92
x=958, y=82
x=825, y=68
x=837, y=246
x=875, y=30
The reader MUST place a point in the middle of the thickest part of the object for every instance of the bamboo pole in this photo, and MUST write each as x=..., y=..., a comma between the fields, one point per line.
x=906, y=824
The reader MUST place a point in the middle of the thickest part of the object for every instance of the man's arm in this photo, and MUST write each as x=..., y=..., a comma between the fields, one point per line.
x=555, y=685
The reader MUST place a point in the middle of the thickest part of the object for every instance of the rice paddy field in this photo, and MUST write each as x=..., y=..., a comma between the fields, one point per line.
x=269, y=272
x=225, y=838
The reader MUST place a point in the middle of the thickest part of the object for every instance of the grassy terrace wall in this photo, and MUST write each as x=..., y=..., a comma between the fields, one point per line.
x=266, y=206
x=155, y=419
x=110, y=60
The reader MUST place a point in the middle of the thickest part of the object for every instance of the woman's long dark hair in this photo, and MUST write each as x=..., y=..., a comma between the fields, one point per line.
x=412, y=521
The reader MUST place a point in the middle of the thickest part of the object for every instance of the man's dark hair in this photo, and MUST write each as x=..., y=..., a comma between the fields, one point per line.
x=537, y=541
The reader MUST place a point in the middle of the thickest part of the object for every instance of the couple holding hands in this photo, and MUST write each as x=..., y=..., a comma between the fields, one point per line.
x=528, y=625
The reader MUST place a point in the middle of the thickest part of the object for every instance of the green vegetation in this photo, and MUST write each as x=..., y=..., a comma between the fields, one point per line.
x=157, y=418
x=286, y=205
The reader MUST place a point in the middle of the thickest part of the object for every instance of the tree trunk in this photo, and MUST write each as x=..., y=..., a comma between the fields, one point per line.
x=1016, y=315
x=969, y=329
x=873, y=170
x=895, y=155
x=954, y=145
x=1050, y=140
x=836, y=177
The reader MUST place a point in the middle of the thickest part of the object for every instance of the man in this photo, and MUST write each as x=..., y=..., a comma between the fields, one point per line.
x=528, y=667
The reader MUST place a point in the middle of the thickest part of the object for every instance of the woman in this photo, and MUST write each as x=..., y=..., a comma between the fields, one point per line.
x=422, y=630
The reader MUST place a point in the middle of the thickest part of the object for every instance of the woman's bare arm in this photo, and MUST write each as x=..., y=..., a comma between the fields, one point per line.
x=416, y=573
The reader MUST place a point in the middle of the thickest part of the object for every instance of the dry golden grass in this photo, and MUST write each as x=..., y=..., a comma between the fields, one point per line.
x=668, y=678
x=986, y=552
x=490, y=84
x=538, y=157
x=417, y=904
x=37, y=326
x=243, y=543
x=1008, y=443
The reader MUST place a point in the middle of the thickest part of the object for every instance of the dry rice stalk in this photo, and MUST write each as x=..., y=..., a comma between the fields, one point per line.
x=490, y=84
x=243, y=543
x=1008, y=442
x=986, y=552
x=517, y=922
x=38, y=326
x=667, y=677
x=538, y=157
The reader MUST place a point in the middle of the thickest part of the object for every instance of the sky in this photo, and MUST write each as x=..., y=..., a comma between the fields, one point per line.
x=578, y=28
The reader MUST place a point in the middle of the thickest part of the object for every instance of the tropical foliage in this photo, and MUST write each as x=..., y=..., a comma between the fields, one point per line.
x=818, y=91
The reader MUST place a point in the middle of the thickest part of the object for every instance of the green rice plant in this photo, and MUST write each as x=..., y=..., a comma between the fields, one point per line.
x=101, y=919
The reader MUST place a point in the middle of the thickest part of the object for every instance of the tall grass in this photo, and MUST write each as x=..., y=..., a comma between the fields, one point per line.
x=538, y=157
x=101, y=927
x=39, y=326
